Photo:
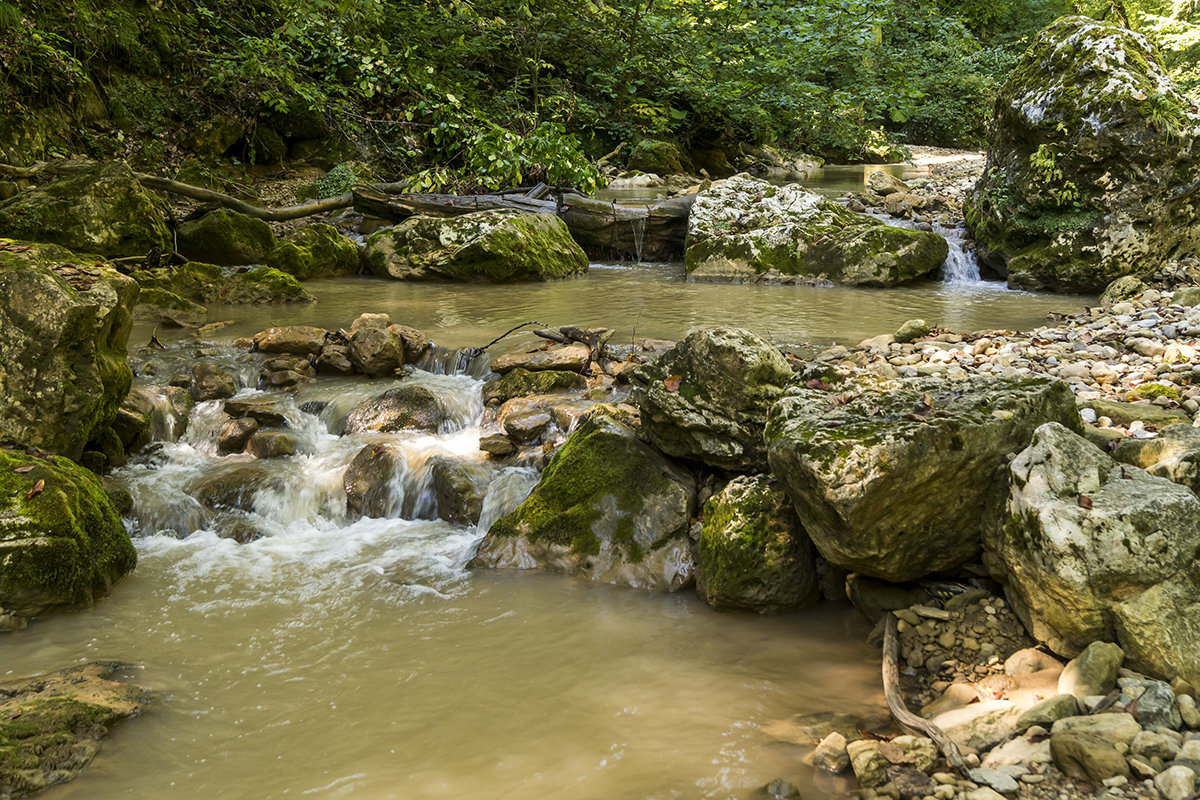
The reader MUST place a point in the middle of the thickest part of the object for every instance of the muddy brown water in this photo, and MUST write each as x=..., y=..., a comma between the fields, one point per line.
x=336, y=658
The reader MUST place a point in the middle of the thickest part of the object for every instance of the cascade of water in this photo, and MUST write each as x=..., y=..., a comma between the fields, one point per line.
x=960, y=267
x=639, y=235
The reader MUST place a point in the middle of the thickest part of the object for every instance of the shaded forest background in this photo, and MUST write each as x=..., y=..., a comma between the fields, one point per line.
x=489, y=92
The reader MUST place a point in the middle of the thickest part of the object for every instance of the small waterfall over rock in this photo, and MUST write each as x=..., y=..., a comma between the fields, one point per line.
x=639, y=236
x=960, y=268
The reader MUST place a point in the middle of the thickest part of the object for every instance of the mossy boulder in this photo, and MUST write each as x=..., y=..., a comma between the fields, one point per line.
x=744, y=229
x=209, y=283
x=226, y=238
x=898, y=479
x=64, y=324
x=523, y=382
x=753, y=553
x=103, y=210
x=51, y=725
x=502, y=246
x=62, y=544
x=657, y=156
x=159, y=305
x=1090, y=154
x=607, y=507
x=215, y=136
x=339, y=180
x=315, y=251
x=707, y=398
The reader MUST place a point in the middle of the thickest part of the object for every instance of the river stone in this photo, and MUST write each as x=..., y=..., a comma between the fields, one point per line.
x=210, y=382
x=607, y=507
x=226, y=238
x=234, y=434
x=460, y=488
x=746, y=229
x=869, y=765
x=522, y=383
x=501, y=246
x=300, y=340
x=1122, y=413
x=893, y=487
x=1089, y=142
x=62, y=544
x=234, y=487
x=272, y=444
x=1176, y=783
x=1174, y=454
x=831, y=754
x=527, y=427
x=370, y=479
x=1092, y=672
x=375, y=351
x=1110, y=568
x=103, y=210
x=315, y=251
x=263, y=409
x=210, y=284
x=497, y=444
x=1048, y=711
x=168, y=308
x=1084, y=755
x=571, y=357
x=1113, y=727
x=980, y=726
x=408, y=407
x=707, y=398
x=753, y=553
x=52, y=725
x=1155, y=707
x=63, y=334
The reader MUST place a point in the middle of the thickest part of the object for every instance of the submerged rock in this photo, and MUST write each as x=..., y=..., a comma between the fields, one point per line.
x=51, y=725
x=747, y=229
x=500, y=246
x=707, y=398
x=895, y=479
x=159, y=305
x=62, y=544
x=607, y=507
x=1094, y=550
x=226, y=238
x=1087, y=152
x=209, y=283
x=315, y=251
x=63, y=346
x=103, y=210
x=460, y=488
x=370, y=479
x=753, y=553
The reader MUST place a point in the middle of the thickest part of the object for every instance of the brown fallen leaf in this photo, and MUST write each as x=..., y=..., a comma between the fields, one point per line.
x=24, y=469
x=1085, y=501
x=672, y=383
x=37, y=489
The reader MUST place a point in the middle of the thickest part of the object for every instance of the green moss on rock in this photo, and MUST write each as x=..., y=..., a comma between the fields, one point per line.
x=226, y=238
x=657, y=156
x=523, y=382
x=61, y=546
x=209, y=283
x=315, y=251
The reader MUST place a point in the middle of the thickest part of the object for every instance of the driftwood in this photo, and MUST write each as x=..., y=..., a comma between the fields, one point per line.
x=911, y=722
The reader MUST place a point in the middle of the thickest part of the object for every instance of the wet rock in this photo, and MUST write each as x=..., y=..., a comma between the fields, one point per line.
x=779, y=789
x=460, y=488
x=607, y=507
x=912, y=330
x=1105, y=567
x=264, y=410
x=167, y=308
x=1080, y=754
x=315, y=251
x=225, y=238
x=233, y=436
x=910, y=783
x=528, y=427
x=210, y=382
x=496, y=246
x=1092, y=672
x=874, y=597
x=52, y=724
x=375, y=351
x=272, y=444
x=744, y=228
x=302, y=340
x=831, y=754
x=210, y=284
x=707, y=398
x=869, y=765
x=408, y=407
x=63, y=347
x=893, y=479
x=62, y=544
x=1061, y=149
x=753, y=553
x=335, y=359
x=286, y=372
x=234, y=487
x=104, y=211
x=570, y=358
x=522, y=383
x=415, y=343
x=497, y=444
x=369, y=480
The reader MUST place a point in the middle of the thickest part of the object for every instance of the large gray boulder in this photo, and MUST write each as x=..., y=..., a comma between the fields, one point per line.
x=753, y=553
x=894, y=479
x=707, y=398
x=1090, y=156
x=103, y=210
x=746, y=229
x=607, y=507
x=501, y=246
x=63, y=333
x=1093, y=549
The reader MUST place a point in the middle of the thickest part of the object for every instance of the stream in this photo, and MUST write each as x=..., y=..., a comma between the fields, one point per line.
x=336, y=657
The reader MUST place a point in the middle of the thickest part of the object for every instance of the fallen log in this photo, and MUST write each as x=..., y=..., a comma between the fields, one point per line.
x=914, y=724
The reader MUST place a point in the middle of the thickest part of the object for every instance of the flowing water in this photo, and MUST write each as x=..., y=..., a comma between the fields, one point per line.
x=335, y=657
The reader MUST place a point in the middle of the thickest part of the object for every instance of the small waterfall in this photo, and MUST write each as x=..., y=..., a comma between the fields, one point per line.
x=639, y=235
x=960, y=268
